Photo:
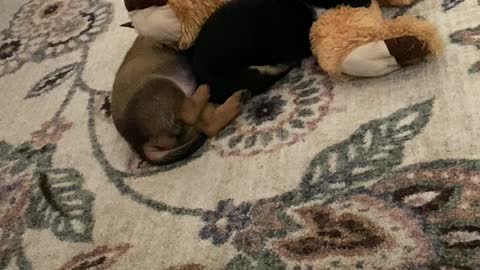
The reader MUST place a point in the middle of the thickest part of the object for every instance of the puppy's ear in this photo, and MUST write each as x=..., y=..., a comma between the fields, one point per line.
x=128, y=24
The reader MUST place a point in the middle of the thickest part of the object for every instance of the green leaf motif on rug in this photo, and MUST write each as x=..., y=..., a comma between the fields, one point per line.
x=23, y=156
x=266, y=261
x=468, y=37
x=58, y=202
x=52, y=80
x=240, y=262
x=374, y=149
x=475, y=68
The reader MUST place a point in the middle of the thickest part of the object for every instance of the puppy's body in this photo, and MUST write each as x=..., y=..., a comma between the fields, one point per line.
x=154, y=106
x=148, y=59
x=250, y=44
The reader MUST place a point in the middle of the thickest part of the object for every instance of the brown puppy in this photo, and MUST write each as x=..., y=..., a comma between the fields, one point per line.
x=155, y=106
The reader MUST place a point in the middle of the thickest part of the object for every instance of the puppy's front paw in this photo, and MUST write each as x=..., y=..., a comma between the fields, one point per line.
x=203, y=92
x=237, y=100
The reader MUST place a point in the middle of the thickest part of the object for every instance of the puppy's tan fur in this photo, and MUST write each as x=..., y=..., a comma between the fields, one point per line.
x=152, y=105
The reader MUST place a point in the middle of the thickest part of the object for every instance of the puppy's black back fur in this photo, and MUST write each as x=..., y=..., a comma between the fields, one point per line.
x=245, y=33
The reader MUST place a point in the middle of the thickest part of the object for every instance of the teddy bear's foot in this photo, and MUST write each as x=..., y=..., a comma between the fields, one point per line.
x=364, y=44
x=382, y=57
x=370, y=60
x=407, y=50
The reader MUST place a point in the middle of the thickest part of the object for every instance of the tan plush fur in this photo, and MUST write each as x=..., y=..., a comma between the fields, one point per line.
x=353, y=27
x=192, y=14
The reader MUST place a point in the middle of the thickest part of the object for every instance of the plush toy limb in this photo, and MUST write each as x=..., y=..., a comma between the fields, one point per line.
x=409, y=26
x=337, y=32
x=363, y=44
x=370, y=60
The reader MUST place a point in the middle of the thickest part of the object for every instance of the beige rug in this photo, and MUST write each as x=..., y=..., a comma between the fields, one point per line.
x=359, y=174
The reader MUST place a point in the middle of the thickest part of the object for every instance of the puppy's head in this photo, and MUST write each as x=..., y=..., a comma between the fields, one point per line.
x=155, y=129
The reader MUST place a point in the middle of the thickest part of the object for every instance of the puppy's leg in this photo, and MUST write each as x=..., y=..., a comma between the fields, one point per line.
x=215, y=118
x=193, y=106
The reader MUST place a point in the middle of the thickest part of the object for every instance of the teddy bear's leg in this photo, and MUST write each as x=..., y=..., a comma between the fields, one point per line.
x=410, y=39
x=370, y=60
x=362, y=49
x=385, y=56
x=338, y=32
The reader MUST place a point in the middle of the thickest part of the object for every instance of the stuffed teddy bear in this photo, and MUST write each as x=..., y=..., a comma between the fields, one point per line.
x=360, y=42
x=353, y=41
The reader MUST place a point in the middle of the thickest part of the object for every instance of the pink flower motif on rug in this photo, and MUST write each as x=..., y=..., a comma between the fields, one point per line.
x=51, y=132
x=263, y=220
x=281, y=117
x=14, y=198
x=14, y=195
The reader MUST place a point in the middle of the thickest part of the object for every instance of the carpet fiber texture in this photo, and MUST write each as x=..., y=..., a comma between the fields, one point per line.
x=316, y=174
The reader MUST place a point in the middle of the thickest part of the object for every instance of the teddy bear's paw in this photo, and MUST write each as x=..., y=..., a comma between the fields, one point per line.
x=370, y=60
x=382, y=57
x=407, y=50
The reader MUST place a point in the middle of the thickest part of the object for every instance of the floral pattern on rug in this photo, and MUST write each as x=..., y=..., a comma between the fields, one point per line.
x=352, y=234
x=220, y=224
x=449, y=4
x=385, y=175
x=281, y=117
x=425, y=214
x=37, y=196
x=468, y=37
x=50, y=132
x=45, y=29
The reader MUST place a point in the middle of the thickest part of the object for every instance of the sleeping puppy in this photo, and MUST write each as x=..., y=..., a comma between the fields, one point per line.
x=250, y=44
x=155, y=106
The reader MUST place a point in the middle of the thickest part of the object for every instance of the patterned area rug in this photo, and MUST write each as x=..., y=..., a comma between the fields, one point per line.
x=354, y=174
